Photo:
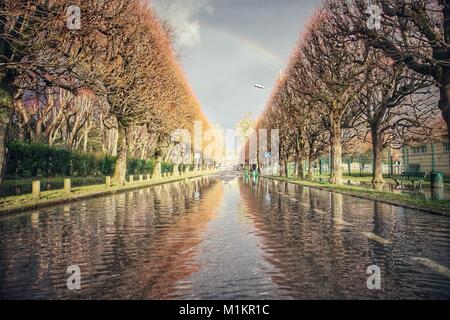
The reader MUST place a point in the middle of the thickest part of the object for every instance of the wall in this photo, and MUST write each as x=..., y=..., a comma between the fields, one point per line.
x=425, y=158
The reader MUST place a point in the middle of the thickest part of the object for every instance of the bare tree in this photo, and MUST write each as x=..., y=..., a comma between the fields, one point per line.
x=333, y=66
x=317, y=140
x=392, y=101
x=35, y=49
x=414, y=33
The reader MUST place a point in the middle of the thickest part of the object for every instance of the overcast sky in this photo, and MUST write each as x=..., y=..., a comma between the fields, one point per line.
x=227, y=46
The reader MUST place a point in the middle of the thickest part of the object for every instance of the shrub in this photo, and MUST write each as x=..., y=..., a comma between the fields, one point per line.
x=40, y=160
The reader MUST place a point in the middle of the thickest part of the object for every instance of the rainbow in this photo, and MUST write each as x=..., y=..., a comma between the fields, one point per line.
x=273, y=57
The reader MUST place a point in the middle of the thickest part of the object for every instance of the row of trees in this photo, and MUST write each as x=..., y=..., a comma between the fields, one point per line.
x=349, y=83
x=112, y=85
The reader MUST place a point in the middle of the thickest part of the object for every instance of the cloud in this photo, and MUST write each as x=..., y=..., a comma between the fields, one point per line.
x=182, y=14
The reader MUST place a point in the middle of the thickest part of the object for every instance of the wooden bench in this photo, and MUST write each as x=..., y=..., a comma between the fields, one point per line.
x=411, y=176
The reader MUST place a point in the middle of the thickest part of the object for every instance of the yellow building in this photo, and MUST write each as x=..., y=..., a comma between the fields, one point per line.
x=424, y=156
x=418, y=158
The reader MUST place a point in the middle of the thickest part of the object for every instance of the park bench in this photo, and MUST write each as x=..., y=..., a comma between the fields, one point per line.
x=412, y=175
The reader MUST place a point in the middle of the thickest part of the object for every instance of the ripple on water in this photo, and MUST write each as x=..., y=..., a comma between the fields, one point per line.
x=225, y=237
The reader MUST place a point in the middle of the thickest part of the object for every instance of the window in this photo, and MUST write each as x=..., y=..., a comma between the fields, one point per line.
x=446, y=147
x=419, y=149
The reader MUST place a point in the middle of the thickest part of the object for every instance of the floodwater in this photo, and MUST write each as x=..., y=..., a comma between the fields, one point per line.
x=225, y=237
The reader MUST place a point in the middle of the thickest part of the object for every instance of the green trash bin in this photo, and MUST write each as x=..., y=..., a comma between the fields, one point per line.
x=437, y=180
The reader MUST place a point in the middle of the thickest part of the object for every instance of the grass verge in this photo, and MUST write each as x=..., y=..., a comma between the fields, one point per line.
x=441, y=207
x=368, y=178
x=16, y=204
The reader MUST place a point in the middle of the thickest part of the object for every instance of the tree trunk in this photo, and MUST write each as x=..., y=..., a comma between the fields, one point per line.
x=144, y=152
x=131, y=146
x=6, y=102
x=286, y=169
x=158, y=163
x=296, y=167
x=113, y=138
x=176, y=170
x=85, y=142
x=377, y=150
x=309, y=175
x=120, y=169
x=299, y=168
x=336, y=153
x=444, y=103
x=4, y=121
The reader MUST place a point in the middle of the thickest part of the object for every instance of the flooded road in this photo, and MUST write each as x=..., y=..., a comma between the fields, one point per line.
x=225, y=237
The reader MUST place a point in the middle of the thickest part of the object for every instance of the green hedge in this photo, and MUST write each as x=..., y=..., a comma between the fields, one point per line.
x=39, y=160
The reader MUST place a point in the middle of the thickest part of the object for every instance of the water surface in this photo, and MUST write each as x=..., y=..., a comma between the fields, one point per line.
x=225, y=237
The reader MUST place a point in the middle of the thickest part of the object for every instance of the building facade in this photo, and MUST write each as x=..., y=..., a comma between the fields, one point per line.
x=424, y=158
x=429, y=157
